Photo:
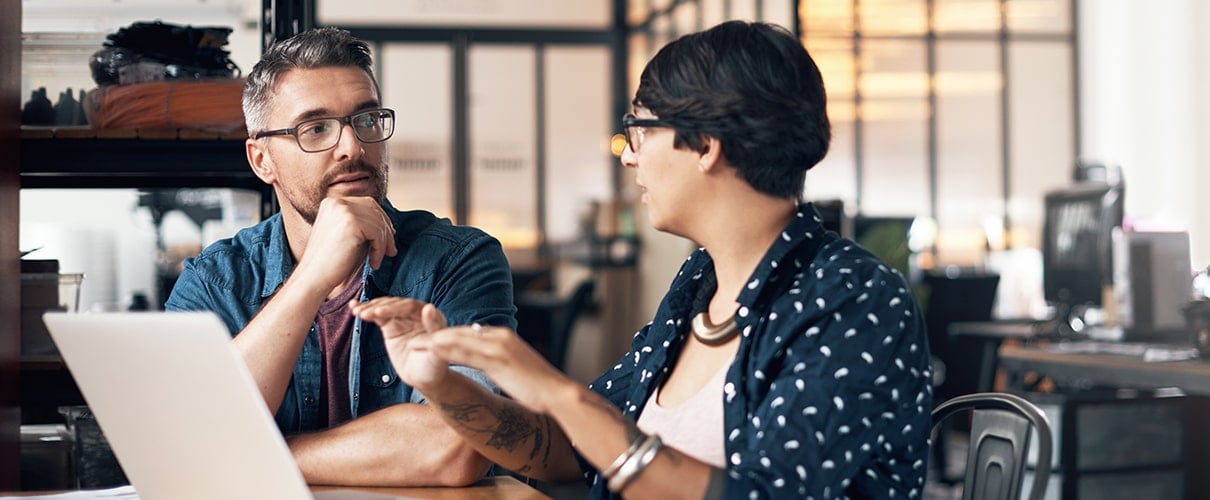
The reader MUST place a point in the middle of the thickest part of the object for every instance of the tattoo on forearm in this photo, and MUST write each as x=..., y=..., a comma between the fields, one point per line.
x=462, y=413
x=549, y=442
x=511, y=429
x=510, y=426
x=537, y=441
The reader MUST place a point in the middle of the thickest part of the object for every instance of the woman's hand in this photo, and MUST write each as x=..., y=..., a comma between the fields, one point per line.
x=519, y=370
x=403, y=321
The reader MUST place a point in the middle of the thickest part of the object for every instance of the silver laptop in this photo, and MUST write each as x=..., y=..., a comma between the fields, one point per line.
x=179, y=407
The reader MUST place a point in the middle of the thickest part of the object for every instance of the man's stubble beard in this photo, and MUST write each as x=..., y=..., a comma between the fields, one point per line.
x=377, y=175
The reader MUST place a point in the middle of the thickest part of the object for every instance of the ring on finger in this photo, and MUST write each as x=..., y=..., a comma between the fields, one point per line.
x=477, y=328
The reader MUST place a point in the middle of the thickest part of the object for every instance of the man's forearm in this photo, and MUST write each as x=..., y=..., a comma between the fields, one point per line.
x=271, y=341
x=402, y=445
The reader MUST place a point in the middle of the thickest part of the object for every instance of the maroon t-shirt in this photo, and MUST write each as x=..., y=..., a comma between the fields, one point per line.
x=334, y=324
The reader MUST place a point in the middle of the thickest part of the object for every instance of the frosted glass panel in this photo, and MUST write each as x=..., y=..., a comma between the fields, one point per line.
x=578, y=128
x=685, y=19
x=420, y=151
x=503, y=179
x=641, y=49
x=466, y=13
x=743, y=10
x=779, y=12
x=636, y=11
x=836, y=176
x=713, y=12
x=969, y=170
x=895, y=113
x=1042, y=133
x=899, y=17
x=977, y=16
x=1039, y=16
x=826, y=16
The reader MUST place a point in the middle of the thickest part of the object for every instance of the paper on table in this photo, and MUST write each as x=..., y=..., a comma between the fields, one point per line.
x=119, y=493
x=128, y=493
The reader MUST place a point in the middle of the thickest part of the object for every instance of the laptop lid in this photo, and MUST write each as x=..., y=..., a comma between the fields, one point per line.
x=177, y=404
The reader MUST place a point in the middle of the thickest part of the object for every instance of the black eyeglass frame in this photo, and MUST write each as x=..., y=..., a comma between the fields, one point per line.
x=345, y=120
x=629, y=122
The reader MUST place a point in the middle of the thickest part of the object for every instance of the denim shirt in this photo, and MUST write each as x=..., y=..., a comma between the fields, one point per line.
x=829, y=394
x=459, y=269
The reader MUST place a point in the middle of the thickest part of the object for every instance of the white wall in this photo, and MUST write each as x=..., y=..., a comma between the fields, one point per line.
x=1142, y=68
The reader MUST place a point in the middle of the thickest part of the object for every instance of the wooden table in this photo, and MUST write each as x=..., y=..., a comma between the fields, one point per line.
x=1085, y=370
x=493, y=488
x=1073, y=370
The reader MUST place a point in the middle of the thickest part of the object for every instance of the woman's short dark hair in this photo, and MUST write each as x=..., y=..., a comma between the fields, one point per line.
x=317, y=48
x=755, y=88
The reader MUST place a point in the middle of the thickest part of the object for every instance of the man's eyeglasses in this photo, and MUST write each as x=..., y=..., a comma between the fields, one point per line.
x=635, y=129
x=322, y=134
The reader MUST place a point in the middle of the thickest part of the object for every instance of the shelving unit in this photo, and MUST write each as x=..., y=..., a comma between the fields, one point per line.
x=84, y=158
x=79, y=158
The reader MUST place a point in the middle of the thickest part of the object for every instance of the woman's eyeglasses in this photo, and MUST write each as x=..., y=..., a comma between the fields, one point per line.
x=635, y=129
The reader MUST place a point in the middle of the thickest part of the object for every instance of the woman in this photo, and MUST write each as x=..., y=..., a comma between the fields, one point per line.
x=784, y=361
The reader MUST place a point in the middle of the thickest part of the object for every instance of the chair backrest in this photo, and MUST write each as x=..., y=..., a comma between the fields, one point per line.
x=547, y=320
x=999, y=444
x=565, y=321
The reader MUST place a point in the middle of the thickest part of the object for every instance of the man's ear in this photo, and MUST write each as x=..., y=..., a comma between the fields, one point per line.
x=259, y=160
x=712, y=153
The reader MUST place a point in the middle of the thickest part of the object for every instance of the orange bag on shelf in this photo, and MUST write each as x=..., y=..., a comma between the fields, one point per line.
x=212, y=105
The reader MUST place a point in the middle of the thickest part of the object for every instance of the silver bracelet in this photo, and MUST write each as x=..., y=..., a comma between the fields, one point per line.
x=635, y=463
x=617, y=462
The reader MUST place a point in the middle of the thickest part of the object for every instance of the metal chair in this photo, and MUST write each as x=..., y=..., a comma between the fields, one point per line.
x=999, y=444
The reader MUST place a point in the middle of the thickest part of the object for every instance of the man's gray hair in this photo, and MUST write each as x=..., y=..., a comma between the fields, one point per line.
x=317, y=48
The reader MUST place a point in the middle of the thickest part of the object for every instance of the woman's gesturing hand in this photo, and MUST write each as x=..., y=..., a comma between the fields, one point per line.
x=519, y=370
x=403, y=321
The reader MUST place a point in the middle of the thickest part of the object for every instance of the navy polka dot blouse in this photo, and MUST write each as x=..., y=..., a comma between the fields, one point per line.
x=829, y=394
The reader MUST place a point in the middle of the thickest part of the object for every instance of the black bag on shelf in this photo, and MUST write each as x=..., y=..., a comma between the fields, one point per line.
x=149, y=51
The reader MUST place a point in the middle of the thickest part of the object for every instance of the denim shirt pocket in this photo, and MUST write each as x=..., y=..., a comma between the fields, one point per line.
x=380, y=385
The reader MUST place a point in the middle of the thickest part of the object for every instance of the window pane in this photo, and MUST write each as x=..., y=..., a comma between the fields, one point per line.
x=826, y=16
x=713, y=12
x=893, y=17
x=969, y=171
x=967, y=16
x=641, y=48
x=503, y=199
x=684, y=19
x=465, y=13
x=636, y=11
x=779, y=12
x=578, y=128
x=742, y=10
x=836, y=176
x=421, y=172
x=894, y=111
x=1039, y=16
x=1041, y=133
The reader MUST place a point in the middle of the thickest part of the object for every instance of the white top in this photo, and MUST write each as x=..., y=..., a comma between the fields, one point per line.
x=694, y=427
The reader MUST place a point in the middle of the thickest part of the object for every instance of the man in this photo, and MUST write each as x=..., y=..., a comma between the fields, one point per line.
x=316, y=134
